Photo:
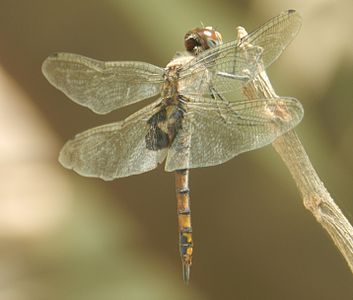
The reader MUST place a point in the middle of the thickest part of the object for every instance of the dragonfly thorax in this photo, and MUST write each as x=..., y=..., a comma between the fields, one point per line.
x=167, y=121
x=170, y=87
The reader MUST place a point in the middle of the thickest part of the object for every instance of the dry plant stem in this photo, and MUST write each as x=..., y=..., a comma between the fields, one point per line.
x=315, y=196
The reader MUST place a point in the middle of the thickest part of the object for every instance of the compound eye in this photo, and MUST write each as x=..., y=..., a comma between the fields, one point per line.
x=201, y=39
x=211, y=43
x=212, y=36
x=191, y=42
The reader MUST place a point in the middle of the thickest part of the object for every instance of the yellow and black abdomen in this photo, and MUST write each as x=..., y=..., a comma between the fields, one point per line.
x=184, y=220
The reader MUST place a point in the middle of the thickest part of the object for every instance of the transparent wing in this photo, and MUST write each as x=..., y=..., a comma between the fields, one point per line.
x=102, y=86
x=214, y=132
x=275, y=35
x=113, y=150
x=228, y=66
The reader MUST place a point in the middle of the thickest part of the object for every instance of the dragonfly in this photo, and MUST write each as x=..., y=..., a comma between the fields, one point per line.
x=201, y=117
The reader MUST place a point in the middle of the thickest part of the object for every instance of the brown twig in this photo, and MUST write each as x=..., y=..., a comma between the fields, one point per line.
x=315, y=196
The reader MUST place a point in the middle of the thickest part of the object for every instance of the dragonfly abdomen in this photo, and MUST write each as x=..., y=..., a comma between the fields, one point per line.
x=184, y=221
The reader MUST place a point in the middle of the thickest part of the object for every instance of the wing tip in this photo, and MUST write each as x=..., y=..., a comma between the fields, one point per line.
x=70, y=159
x=46, y=65
x=295, y=114
x=66, y=157
x=54, y=55
x=67, y=161
x=298, y=108
x=293, y=13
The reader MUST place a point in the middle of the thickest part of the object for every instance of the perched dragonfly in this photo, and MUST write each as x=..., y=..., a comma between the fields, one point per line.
x=200, y=119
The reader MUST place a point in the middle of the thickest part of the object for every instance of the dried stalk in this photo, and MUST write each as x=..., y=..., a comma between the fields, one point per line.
x=315, y=196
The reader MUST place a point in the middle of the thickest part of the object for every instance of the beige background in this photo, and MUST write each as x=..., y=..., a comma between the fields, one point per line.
x=63, y=236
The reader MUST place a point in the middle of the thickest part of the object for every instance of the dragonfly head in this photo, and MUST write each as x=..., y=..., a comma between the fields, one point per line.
x=201, y=39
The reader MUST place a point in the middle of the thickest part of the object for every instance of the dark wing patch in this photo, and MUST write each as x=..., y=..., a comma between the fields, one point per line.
x=156, y=138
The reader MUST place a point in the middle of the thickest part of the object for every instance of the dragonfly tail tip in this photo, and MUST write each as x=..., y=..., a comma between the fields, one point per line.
x=186, y=273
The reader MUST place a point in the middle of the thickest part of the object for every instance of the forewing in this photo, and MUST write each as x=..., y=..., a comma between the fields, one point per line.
x=113, y=150
x=228, y=66
x=102, y=86
x=213, y=133
x=275, y=35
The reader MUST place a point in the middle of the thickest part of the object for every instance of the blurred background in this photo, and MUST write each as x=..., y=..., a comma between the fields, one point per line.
x=63, y=236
